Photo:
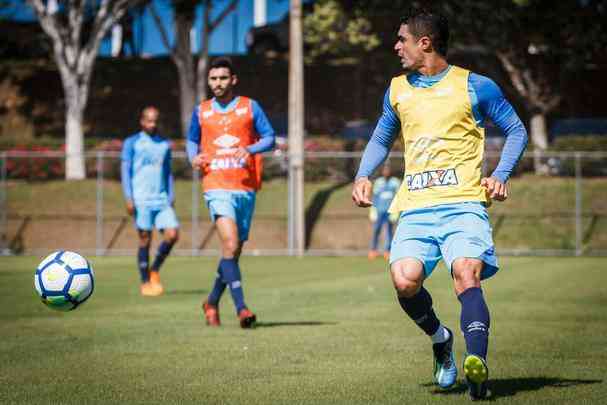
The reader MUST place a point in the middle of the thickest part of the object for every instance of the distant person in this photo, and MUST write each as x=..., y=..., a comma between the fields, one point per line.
x=440, y=109
x=227, y=134
x=147, y=184
x=384, y=190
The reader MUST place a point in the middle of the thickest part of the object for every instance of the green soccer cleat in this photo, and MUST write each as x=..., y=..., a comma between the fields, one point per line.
x=477, y=374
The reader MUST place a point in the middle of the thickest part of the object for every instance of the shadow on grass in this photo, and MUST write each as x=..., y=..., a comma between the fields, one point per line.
x=507, y=387
x=317, y=204
x=187, y=292
x=302, y=323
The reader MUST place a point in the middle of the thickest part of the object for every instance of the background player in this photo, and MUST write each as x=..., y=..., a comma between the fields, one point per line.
x=226, y=135
x=440, y=110
x=147, y=184
x=384, y=190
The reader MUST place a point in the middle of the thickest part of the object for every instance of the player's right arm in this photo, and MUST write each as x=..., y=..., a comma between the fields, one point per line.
x=126, y=169
x=192, y=146
x=494, y=106
x=375, y=153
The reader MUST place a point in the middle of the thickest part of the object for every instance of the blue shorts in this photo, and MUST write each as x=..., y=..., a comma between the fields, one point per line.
x=449, y=231
x=238, y=205
x=160, y=218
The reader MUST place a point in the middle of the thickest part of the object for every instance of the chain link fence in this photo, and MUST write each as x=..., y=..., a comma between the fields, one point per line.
x=563, y=211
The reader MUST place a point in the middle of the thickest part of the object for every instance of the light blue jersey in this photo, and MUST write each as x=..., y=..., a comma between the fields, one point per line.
x=146, y=171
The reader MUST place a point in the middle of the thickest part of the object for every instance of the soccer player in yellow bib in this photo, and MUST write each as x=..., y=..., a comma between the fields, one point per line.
x=439, y=109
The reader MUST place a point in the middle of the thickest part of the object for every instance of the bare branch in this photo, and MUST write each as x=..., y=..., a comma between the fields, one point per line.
x=515, y=74
x=552, y=103
x=231, y=7
x=75, y=14
x=47, y=21
x=163, y=32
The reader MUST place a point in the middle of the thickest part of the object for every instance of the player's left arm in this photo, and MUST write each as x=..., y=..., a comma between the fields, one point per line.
x=493, y=105
x=126, y=168
x=263, y=127
x=168, y=176
x=376, y=152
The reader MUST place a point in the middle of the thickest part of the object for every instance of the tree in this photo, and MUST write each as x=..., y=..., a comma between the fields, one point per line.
x=537, y=42
x=330, y=30
x=345, y=35
x=76, y=31
x=191, y=75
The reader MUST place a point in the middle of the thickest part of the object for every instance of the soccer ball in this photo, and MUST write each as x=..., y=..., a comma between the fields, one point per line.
x=64, y=280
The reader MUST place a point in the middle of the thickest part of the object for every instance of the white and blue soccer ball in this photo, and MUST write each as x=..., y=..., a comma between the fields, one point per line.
x=64, y=280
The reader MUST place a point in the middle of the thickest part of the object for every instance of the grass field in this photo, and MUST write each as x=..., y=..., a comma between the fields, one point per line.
x=330, y=332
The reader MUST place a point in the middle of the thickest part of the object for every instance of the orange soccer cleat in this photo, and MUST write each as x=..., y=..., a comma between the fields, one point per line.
x=247, y=318
x=155, y=283
x=211, y=313
x=148, y=290
x=372, y=254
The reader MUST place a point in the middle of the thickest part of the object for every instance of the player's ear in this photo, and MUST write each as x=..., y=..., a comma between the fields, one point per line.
x=234, y=80
x=425, y=43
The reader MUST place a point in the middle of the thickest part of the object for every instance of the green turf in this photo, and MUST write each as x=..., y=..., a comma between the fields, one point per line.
x=330, y=333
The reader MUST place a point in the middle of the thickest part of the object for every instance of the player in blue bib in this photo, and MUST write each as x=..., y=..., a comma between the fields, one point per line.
x=147, y=184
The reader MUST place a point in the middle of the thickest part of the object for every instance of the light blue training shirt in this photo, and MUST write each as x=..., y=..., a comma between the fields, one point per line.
x=146, y=170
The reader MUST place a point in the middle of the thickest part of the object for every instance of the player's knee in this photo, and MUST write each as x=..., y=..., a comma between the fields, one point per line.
x=172, y=236
x=466, y=273
x=406, y=288
x=465, y=268
x=230, y=246
x=144, y=239
x=406, y=283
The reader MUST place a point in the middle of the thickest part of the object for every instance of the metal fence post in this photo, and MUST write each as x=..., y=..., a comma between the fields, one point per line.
x=99, y=251
x=195, y=205
x=3, y=207
x=578, y=204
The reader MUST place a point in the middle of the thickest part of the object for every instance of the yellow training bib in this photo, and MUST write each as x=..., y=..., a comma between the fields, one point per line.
x=443, y=145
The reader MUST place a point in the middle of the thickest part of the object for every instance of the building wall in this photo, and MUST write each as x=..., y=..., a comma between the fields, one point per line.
x=228, y=38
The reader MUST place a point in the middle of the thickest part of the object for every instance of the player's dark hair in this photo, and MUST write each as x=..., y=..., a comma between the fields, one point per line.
x=431, y=24
x=223, y=62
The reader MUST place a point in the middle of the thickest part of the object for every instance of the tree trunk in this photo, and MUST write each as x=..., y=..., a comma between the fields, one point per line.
x=203, y=59
x=74, y=147
x=203, y=63
x=539, y=138
x=75, y=89
x=187, y=95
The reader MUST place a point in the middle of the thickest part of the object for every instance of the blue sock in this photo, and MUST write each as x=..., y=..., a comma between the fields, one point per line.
x=163, y=251
x=231, y=276
x=475, y=321
x=419, y=308
x=218, y=288
x=143, y=258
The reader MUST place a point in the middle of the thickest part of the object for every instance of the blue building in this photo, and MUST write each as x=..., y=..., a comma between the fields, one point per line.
x=138, y=35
